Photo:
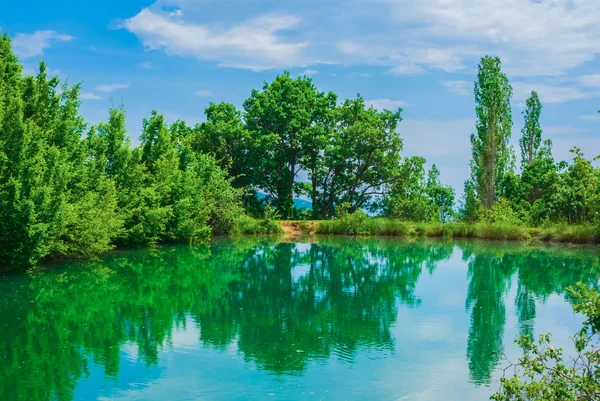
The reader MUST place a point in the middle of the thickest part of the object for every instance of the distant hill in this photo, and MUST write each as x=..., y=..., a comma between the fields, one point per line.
x=299, y=203
x=302, y=204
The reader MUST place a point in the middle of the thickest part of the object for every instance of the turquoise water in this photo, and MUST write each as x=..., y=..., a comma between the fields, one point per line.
x=258, y=319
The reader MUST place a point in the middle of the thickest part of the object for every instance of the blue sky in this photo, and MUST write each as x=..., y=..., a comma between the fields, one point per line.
x=177, y=56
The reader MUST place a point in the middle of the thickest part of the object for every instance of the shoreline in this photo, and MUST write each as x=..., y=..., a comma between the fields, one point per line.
x=373, y=227
x=291, y=230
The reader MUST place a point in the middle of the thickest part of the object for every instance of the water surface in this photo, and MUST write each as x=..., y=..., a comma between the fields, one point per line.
x=258, y=319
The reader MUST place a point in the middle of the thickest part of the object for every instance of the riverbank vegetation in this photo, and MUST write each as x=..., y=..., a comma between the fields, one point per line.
x=68, y=188
x=360, y=225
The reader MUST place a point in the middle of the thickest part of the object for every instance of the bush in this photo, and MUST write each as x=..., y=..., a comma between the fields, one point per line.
x=542, y=373
x=571, y=234
x=503, y=213
x=269, y=224
x=246, y=225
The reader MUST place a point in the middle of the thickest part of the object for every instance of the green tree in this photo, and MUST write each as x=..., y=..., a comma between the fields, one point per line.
x=532, y=131
x=362, y=159
x=32, y=175
x=90, y=221
x=51, y=203
x=492, y=153
x=441, y=196
x=225, y=136
x=408, y=197
x=278, y=118
x=576, y=196
x=314, y=140
x=471, y=209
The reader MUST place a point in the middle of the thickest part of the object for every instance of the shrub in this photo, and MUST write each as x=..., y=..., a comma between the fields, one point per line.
x=542, y=373
x=247, y=225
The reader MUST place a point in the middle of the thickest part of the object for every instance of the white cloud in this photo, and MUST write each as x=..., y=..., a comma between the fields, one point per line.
x=387, y=104
x=406, y=69
x=146, y=65
x=589, y=80
x=28, y=45
x=111, y=87
x=309, y=72
x=461, y=88
x=108, y=51
x=551, y=93
x=89, y=96
x=532, y=37
x=590, y=117
x=252, y=44
x=204, y=93
x=403, y=59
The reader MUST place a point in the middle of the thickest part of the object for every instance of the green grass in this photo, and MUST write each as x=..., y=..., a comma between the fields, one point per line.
x=582, y=234
x=362, y=225
x=246, y=225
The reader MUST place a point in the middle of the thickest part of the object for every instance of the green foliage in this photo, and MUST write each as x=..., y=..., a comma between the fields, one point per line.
x=546, y=192
x=544, y=373
x=492, y=153
x=408, y=198
x=61, y=195
x=532, y=131
x=577, y=234
x=269, y=223
x=362, y=157
x=225, y=136
x=471, y=209
x=503, y=213
x=278, y=119
x=413, y=197
x=441, y=196
x=52, y=202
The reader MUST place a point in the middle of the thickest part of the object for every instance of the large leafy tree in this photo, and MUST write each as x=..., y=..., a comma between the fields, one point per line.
x=362, y=158
x=224, y=135
x=492, y=154
x=314, y=141
x=279, y=118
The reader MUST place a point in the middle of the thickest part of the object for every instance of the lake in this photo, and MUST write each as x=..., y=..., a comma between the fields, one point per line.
x=250, y=318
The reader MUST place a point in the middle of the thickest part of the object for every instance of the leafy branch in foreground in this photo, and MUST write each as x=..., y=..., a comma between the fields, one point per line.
x=543, y=373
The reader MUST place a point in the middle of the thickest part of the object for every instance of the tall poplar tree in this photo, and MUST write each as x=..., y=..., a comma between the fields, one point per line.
x=492, y=153
x=532, y=131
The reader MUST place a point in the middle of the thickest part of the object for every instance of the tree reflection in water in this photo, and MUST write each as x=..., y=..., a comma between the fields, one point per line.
x=282, y=304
